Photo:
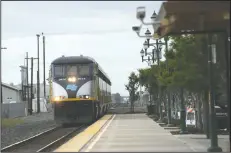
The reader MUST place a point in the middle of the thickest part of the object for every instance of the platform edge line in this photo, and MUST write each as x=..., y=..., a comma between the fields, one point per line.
x=97, y=135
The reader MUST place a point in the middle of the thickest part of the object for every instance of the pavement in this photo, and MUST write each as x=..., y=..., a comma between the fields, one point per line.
x=80, y=140
x=123, y=108
x=200, y=143
x=135, y=133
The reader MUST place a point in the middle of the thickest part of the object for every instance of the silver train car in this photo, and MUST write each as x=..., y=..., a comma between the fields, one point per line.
x=80, y=90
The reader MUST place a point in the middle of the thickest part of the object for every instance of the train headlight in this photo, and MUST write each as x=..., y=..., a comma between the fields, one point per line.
x=71, y=79
x=86, y=97
x=56, y=98
x=59, y=98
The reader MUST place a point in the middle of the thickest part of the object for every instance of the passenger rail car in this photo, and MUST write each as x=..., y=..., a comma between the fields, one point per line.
x=79, y=90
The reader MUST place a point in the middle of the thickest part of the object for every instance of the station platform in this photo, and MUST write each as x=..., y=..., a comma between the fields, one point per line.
x=125, y=133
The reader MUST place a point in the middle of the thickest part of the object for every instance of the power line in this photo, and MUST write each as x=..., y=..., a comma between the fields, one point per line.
x=96, y=32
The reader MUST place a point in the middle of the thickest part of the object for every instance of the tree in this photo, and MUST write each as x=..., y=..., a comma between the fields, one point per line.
x=187, y=58
x=117, y=98
x=148, y=78
x=132, y=88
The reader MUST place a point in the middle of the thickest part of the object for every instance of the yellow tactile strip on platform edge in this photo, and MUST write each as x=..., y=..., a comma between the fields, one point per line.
x=77, y=142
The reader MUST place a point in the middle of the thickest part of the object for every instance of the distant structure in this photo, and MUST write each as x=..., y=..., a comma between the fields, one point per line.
x=35, y=90
x=144, y=98
x=123, y=99
x=10, y=93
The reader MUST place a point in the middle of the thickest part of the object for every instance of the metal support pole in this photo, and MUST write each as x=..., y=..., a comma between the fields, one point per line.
x=159, y=90
x=38, y=81
x=44, y=70
x=168, y=92
x=31, y=88
x=27, y=82
x=227, y=56
x=1, y=76
x=212, y=116
x=169, y=109
x=182, y=113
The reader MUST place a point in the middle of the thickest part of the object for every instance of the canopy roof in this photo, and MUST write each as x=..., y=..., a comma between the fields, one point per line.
x=178, y=17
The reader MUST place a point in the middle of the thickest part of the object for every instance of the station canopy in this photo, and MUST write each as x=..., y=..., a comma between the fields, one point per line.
x=181, y=17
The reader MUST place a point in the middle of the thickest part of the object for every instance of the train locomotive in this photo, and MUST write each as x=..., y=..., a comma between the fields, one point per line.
x=80, y=91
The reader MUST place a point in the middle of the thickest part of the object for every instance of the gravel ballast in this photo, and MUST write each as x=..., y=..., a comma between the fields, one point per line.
x=31, y=126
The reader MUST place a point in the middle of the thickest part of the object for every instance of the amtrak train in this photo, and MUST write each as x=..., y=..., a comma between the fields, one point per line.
x=79, y=89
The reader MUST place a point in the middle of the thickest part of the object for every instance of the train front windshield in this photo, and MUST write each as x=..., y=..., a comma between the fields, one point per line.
x=71, y=70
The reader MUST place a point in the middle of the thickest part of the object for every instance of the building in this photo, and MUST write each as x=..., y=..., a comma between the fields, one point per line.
x=13, y=105
x=125, y=99
x=35, y=90
x=42, y=90
x=11, y=94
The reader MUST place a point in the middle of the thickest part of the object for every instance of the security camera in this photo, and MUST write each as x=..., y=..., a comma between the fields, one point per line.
x=140, y=13
x=136, y=28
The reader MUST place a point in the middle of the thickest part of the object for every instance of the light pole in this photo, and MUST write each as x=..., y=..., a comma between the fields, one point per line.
x=38, y=78
x=140, y=14
x=1, y=73
x=44, y=70
x=149, y=60
x=168, y=90
x=212, y=115
x=155, y=55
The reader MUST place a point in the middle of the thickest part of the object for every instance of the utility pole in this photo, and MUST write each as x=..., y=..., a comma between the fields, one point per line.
x=1, y=73
x=31, y=87
x=27, y=81
x=38, y=80
x=44, y=70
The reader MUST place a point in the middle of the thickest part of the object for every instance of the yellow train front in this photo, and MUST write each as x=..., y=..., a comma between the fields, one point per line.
x=79, y=90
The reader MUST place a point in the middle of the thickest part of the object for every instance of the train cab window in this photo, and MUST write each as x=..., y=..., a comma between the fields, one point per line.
x=84, y=70
x=58, y=71
x=71, y=70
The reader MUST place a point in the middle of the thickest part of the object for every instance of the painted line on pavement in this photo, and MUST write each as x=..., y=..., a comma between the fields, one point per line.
x=80, y=140
x=99, y=136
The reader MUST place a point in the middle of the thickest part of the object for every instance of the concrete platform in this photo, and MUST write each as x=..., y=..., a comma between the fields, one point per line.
x=134, y=133
x=200, y=143
x=80, y=140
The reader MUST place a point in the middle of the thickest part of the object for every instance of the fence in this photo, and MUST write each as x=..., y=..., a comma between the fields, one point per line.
x=12, y=110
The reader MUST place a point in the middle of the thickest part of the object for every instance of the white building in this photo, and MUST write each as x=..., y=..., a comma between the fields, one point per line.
x=42, y=90
x=10, y=94
x=35, y=90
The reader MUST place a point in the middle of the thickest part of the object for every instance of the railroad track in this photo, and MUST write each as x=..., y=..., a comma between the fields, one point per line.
x=45, y=141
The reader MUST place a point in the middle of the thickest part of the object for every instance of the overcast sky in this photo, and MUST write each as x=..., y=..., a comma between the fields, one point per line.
x=102, y=30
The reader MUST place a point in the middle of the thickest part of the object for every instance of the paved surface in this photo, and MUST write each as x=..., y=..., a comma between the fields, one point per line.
x=121, y=108
x=31, y=126
x=135, y=132
x=76, y=143
x=200, y=143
